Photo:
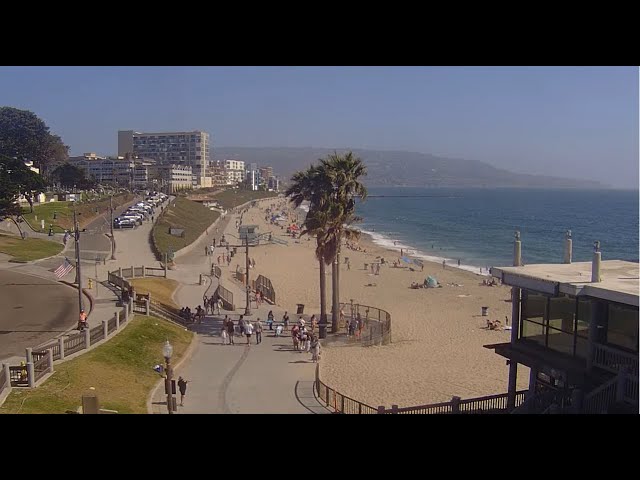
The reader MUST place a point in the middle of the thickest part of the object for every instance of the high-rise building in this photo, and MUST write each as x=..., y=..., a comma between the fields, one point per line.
x=178, y=148
x=235, y=171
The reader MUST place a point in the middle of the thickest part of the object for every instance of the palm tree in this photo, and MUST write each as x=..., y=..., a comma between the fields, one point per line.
x=313, y=185
x=344, y=172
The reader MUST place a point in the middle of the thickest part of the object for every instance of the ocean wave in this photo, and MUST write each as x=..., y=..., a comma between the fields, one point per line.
x=383, y=240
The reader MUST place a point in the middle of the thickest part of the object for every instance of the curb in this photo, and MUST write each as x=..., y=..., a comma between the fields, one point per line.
x=187, y=356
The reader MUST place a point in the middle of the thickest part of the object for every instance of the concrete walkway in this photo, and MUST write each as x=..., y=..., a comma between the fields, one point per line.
x=267, y=378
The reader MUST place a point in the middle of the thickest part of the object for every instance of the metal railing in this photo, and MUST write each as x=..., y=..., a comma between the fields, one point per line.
x=490, y=403
x=40, y=365
x=631, y=389
x=612, y=359
x=216, y=271
x=264, y=285
x=96, y=334
x=74, y=343
x=111, y=325
x=226, y=296
x=599, y=400
x=19, y=376
x=376, y=324
x=338, y=401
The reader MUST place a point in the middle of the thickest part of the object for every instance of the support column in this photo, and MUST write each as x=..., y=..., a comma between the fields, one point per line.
x=105, y=328
x=117, y=320
x=143, y=272
x=7, y=375
x=31, y=375
x=61, y=345
x=87, y=338
x=513, y=365
x=29, y=355
x=146, y=306
x=130, y=305
x=50, y=359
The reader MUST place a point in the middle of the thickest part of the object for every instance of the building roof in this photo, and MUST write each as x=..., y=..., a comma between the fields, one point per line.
x=620, y=279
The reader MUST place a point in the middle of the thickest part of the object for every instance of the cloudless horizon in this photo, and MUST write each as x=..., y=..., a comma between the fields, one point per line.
x=574, y=122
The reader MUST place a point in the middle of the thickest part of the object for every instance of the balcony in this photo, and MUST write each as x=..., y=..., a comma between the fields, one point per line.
x=613, y=359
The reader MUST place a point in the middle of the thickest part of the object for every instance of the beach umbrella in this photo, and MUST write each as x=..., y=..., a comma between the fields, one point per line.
x=406, y=259
x=417, y=262
x=432, y=281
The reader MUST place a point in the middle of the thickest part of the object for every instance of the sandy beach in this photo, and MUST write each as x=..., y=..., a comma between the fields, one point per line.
x=438, y=333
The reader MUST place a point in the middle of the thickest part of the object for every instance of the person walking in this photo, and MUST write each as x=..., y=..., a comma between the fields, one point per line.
x=219, y=305
x=258, y=328
x=230, y=330
x=270, y=319
x=248, y=330
x=182, y=386
x=315, y=349
x=285, y=321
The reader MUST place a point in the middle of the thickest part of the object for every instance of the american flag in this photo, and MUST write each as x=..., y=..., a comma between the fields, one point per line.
x=63, y=269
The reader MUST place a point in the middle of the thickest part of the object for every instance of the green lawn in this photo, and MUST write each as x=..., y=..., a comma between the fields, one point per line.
x=28, y=249
x=161, y=289
x=121, y=371
x=193, y=217
x=64, y=212
x=232, y=198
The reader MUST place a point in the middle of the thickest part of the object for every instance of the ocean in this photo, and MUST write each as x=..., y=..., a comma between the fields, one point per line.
x=476, y=226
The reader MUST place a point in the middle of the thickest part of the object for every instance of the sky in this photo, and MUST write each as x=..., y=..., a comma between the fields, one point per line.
x=575, y=122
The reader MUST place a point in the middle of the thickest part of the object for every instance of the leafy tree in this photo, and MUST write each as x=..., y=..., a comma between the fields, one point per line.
x=70, y=176
x=15, y=179
x=26, y=137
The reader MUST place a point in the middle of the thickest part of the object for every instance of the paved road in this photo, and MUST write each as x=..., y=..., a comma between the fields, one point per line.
x=23, y=299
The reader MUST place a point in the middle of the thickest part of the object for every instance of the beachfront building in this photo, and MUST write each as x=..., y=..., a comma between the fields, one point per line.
x=178, y=148
x=575, y=325
x=235, y=171
x=174, y=177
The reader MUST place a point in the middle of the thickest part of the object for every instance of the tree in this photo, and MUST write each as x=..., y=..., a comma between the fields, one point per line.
x=344, y=172
x=15, y=179
x=313, y=185
x=26, y=137
x=70, y=176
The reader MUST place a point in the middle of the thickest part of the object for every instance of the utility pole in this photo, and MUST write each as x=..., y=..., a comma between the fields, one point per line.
x=76, y=236
x=113, y=239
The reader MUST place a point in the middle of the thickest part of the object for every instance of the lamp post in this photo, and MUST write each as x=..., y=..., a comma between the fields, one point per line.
x=167, y=351
x=113, y=239
x=76, y=236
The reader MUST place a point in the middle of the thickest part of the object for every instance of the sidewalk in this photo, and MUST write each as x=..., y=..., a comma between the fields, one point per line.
x=267, y=378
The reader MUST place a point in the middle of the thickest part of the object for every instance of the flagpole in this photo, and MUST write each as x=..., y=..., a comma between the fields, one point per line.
x=78, y=271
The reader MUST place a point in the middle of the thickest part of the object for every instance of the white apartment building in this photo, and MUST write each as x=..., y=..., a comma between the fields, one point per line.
x=175, y=177
x=178, y=148
x=235, y=171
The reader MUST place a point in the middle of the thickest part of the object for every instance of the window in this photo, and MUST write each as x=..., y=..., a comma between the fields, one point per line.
x=622, y=328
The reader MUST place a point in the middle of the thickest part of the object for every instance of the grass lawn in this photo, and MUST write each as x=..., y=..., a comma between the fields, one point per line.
x=191, y=216
x=28, y=249
x=161, y=289
x=121, y=370
x=64, y=213
x=232, y=198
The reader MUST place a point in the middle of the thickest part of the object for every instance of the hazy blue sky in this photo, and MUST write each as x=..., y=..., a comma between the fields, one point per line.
x=579, y=122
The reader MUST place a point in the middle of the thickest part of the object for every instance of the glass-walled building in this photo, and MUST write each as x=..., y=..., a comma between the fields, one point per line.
x=578, y=337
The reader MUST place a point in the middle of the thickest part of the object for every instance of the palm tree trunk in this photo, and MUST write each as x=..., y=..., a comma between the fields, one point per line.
x=335, y=284
x=323, y=301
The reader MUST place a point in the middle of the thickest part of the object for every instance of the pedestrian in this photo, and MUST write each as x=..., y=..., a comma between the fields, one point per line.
x=458, y=262
x=153, y=219
x=444, y=262
x=211, y=250
x=270, y=319
x=258, y=328
x=348, y=265
x=219, y=305
x=182, y=386
x=285, y=320
x=206, y=251
x=248, y=330
x=230, y=330
x=223, y=333
x=315, y=349
x=218, y=259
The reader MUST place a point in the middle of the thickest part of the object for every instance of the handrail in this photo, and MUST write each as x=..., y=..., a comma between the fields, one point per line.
x=377, y=323
x=613, y=359
x=600, y=398
x=338, y=401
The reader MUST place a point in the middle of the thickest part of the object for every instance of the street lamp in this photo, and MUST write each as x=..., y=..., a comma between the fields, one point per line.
x=76, y=236
x=113, y=239
x=167, y=351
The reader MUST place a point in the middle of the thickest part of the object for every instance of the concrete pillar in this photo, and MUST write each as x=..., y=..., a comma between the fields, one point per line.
x=513, y=366
x=105, y=328
x=50, y=359
x=130, y=305
x=143, y=272
x=120, y=272
x=61, y=345
x=87, y=338
x=146, y=306
x=117, y=320
x=595, y=264
x=455, y=404
x=31, y=375
x=126, y=314
x=568, y=247
x=394, y=408
x=517, y=250
x=7, y=375
x=29, y=355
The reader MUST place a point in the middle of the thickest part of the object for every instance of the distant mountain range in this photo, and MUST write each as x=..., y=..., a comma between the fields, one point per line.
x=397, y=168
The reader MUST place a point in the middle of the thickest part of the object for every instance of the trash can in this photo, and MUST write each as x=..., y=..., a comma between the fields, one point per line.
x=484, y=311
x=300, y=308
